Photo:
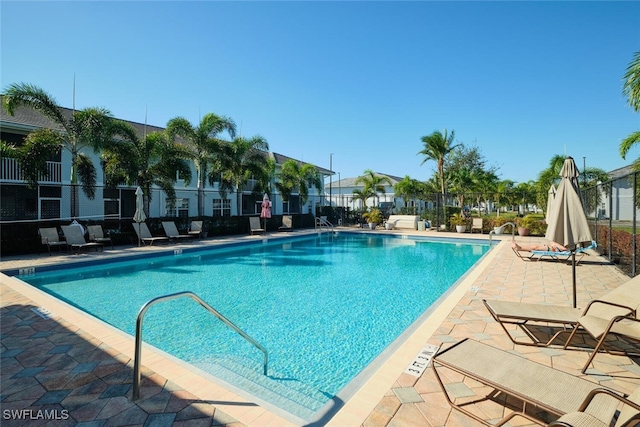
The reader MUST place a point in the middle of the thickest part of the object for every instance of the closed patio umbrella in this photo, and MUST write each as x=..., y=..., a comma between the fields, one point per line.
x=139, y=215
x=550, y=199
x=567, y=222
x=266, y=209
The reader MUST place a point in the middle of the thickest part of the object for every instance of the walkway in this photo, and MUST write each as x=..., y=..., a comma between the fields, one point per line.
x=56, y=363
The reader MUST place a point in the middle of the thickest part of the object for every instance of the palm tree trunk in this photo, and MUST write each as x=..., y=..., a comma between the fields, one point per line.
x=75, y=202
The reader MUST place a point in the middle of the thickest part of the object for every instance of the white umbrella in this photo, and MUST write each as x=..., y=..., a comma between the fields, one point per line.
x=550, y=199
x=266, y=210
x=139, y=215
x=567, y=222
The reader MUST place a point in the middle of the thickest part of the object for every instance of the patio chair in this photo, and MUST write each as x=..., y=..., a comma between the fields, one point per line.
x=172, y=232
x=254, y=225
x=621, y=301
x=601, y=329
x=49, y=237
x=553, y=391
x=554, y=255
x=476, y=225
x=97, y=235
x=75, y=239
x=196, y=229
x=629, y=412
x=144, y=235
x=287, y=223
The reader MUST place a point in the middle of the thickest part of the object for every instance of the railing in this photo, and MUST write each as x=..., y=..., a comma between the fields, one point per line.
x=501, y=230
x=322, y=221
x=138, y=349
x=11, y=171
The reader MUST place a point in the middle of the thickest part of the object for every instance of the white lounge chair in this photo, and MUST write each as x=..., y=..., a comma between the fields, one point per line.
x=75, y=239
x=621, y=301
x=49, y=237
x=196, y=229
x=531, y=383
x=254, y=225
x=287, y=223
x=97, y=235
x=172, y=232
x=144, y=235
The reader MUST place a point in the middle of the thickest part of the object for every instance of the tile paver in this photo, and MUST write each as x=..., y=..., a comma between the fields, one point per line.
x=49, y=362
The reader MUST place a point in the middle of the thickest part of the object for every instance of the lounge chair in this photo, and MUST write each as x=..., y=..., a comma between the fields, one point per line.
x=629, y=412
x=254, y=225
x=196, y=229
x=49, y=237
x=287, y=223
x=75, y=238
x=143, y=233
x=172, y=232
x=625, y=327
x=554, y=392
x=97, y=235
x=621, y=301
x=476, y=225
x=554, y=255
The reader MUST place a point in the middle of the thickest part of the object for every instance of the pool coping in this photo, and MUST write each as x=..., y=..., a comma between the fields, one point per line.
x=353, y=412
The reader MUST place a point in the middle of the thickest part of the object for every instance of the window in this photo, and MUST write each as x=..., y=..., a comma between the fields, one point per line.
x=49, y=208
x=180, y=209
x=221, y=207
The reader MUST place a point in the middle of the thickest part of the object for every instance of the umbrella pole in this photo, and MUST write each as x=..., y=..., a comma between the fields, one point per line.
x=573, y=263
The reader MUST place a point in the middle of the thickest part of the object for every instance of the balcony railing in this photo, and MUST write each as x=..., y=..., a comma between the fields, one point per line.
x=11, y=172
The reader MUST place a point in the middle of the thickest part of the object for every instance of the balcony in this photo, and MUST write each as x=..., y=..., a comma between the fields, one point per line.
x=10, y=172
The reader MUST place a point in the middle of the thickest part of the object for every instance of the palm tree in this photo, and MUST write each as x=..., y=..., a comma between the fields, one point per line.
x=240, y=160
x=408, y=189
x=39, y=146
x=151, y=160
x=485, y=184
x=203, y=144
x=87, y=128
x=436, y=147
x=631, y=89
x=373, y=183
x=294, y=176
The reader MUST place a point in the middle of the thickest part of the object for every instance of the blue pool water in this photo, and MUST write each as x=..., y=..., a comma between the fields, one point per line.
x=324, y=306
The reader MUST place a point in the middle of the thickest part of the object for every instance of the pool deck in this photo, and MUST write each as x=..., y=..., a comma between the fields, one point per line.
x=58, y=362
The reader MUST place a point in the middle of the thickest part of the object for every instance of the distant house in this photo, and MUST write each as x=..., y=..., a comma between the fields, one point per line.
x=618, y=204
x=340, y=194
x=51, y=200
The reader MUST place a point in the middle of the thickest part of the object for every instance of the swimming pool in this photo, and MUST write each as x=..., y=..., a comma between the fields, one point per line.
x=324, y=306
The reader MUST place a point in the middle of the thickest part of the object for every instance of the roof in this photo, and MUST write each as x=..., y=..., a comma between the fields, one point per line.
x=351, y=182
x=28, y=119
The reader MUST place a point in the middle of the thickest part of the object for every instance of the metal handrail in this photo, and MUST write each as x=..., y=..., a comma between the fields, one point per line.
x=513, y=231
x=143, y=310
x=324, y=222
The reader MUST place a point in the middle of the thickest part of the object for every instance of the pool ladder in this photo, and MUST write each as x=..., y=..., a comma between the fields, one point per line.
x=138, y=349
x=513, y=231
x=322, y=222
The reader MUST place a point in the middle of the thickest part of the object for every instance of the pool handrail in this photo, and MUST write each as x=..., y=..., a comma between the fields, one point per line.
x=513, y=231
x=138, y=344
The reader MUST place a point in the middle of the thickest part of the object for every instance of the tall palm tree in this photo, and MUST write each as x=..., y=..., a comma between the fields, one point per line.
x=87, y=128
x=147, y=161
x=203, y=143
x=240, y=160
x=373, y=183
x=436, y=147
x=631, y=89
x=294, y=176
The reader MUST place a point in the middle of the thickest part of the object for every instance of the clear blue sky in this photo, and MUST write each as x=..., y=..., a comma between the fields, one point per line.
x=362, y=80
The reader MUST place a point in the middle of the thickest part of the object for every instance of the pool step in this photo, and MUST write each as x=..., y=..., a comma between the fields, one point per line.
x=289, y=395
